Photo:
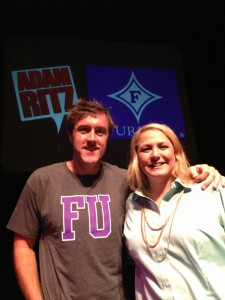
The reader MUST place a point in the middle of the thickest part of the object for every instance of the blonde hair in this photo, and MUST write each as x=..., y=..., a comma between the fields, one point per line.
x=136, y=178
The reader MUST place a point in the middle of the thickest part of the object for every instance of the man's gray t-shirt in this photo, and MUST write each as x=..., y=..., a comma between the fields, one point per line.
x=80, y=228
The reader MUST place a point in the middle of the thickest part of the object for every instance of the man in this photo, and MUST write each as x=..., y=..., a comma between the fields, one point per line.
x=75, y=211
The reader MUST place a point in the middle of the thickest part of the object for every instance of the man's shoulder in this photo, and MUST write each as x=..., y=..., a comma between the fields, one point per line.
x=113, y=167
x=49, y=169
x=115, y=176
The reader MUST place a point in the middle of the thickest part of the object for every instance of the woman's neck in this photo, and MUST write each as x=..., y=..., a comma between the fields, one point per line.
x=158, y=188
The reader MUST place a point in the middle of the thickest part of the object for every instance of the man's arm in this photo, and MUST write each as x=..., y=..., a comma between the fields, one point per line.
x=207, y=174
x=26, y=267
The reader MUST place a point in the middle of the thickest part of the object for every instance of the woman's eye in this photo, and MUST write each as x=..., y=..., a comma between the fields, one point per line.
x=146, y=149
x=164, y=147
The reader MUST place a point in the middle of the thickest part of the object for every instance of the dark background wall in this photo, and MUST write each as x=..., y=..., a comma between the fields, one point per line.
x=197, y=30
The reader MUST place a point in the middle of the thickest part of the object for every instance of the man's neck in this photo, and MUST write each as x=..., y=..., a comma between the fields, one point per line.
x=86, y=169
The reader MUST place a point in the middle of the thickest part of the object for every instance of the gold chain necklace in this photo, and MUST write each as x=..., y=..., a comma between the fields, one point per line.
x=145, y=222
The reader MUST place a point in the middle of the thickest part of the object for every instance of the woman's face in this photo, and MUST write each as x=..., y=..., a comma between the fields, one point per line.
x=156, y=154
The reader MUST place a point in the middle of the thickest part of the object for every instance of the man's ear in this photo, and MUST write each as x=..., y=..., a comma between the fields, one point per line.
x=70, y=137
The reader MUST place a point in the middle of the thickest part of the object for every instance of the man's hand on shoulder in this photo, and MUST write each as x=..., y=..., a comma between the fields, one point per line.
x=207, y=174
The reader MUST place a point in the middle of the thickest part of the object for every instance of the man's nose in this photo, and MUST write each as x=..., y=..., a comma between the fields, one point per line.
x=91, y=135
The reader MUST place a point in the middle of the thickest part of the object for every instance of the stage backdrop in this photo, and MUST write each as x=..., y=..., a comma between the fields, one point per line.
x=44, y=76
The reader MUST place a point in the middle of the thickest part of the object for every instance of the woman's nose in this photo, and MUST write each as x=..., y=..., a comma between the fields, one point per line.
x=155, y=152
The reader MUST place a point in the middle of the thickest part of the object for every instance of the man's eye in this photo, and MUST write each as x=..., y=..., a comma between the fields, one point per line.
x=83, y=129
x=100, y=131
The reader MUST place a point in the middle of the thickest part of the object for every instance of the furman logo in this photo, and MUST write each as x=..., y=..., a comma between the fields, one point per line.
x=135, y=96
x=44, y=93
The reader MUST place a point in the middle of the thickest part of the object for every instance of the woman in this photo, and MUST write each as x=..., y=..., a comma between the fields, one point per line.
x=174, y=231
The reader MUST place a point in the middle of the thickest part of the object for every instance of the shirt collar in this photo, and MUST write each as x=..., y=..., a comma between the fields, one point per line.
x=176, y=187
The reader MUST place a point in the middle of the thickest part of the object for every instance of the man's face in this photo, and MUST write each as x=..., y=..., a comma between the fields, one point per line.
x=89, y=139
